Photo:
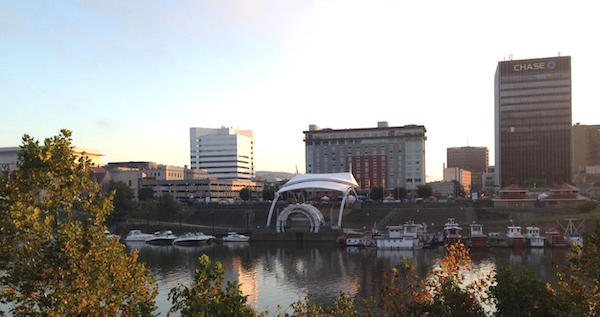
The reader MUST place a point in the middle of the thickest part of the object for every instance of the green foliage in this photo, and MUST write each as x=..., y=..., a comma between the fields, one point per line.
x=206, y=296
x=268, y=193
x=424, y=191
x=56, y=259
x=521, y=294
x=167, y=208
x=400, y=193
x=342, y=306
x=377, y=193
x=245, y=194
x=123, y=199
x=145, y=194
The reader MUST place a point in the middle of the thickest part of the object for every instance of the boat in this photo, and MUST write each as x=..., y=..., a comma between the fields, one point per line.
x=533, y=238
x=515, y=237
x=572, y=235
x=365, y=240
x=162, y=238
x=235, y=237
x=555, y=239
x=405, y=237
x=111, y=236
x=497, y=240
x=193, y=238
x=477, y=238
x=452, y=231
x=137, y=235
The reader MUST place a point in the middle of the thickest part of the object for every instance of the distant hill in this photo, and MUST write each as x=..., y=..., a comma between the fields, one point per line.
x=273, y=176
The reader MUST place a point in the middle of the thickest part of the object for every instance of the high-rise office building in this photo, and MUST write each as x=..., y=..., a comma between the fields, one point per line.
x=533, y=120
x=586, y=146
x=226, y=153
x=471, y=158
x=384, y=156
x=586, y=153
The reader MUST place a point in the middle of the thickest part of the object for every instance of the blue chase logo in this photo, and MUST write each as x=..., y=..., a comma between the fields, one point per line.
x=551, y=65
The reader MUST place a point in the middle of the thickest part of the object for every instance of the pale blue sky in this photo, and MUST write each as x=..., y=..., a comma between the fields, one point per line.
x=130, y=77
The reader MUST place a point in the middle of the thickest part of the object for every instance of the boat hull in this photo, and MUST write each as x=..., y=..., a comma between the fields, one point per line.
x=399, y=244
x=191, y=242
x=480, y=242
x=517, y=242
x=160, y=241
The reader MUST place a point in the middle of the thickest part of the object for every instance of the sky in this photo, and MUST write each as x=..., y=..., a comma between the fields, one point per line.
x=130, y=78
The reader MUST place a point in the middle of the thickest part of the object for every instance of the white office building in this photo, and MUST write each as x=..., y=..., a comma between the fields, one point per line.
x=226, y=153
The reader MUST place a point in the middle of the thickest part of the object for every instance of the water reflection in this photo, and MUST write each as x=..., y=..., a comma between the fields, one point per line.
x=274, y=274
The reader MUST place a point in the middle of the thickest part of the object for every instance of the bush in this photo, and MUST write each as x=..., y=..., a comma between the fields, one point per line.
x=587, y=206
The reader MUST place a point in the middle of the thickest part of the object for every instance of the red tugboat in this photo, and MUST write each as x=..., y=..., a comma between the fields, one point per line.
x=477, y=238
x=555, y=239
x=452, y=231
x=515, y=237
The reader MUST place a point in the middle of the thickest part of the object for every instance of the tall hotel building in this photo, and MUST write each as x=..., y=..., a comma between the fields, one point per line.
x=225, y=153
x=533, y=120
x=384, y=156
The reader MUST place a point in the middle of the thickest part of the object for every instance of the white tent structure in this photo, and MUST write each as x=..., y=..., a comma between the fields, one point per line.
x=342, y=182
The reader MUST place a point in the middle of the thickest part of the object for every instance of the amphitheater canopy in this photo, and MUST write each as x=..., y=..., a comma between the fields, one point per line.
x=341, y=182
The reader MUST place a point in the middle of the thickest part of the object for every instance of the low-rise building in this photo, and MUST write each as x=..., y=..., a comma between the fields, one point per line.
x=564, y=195
x=442, y=189
x=514, y=196
x=463, y=177
x=206, y=190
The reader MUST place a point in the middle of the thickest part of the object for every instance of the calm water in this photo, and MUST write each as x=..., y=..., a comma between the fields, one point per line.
x=274, y=274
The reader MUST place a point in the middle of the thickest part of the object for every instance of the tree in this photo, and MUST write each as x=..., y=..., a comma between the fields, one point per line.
x=145, y=194
x=400, y=193
x=268, y=194
x=167, y=207
x=123, y=199
x=56, y=260
x=377, y=193
x=521, y=294
x=245, y=193
x=578, y=289
x=206, y=296
x=424, y=191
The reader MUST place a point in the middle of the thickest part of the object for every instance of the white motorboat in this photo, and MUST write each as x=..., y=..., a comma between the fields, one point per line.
x=533, y=238
x=111, y=236
x=193, y=238
x=162, y=238
x=137, y=235
x=405, y=237
x=235, y=237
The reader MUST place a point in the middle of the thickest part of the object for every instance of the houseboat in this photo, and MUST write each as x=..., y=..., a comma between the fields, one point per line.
x=476, y=237
x=533, y=238
x=515, y=237
x=405, y=237
x=452, y=231
x=555, y=238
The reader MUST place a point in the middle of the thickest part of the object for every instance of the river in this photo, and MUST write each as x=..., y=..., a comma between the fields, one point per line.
x=273, y=274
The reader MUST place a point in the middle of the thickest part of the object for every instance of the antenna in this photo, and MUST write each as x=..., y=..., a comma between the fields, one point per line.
x=558, y=53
